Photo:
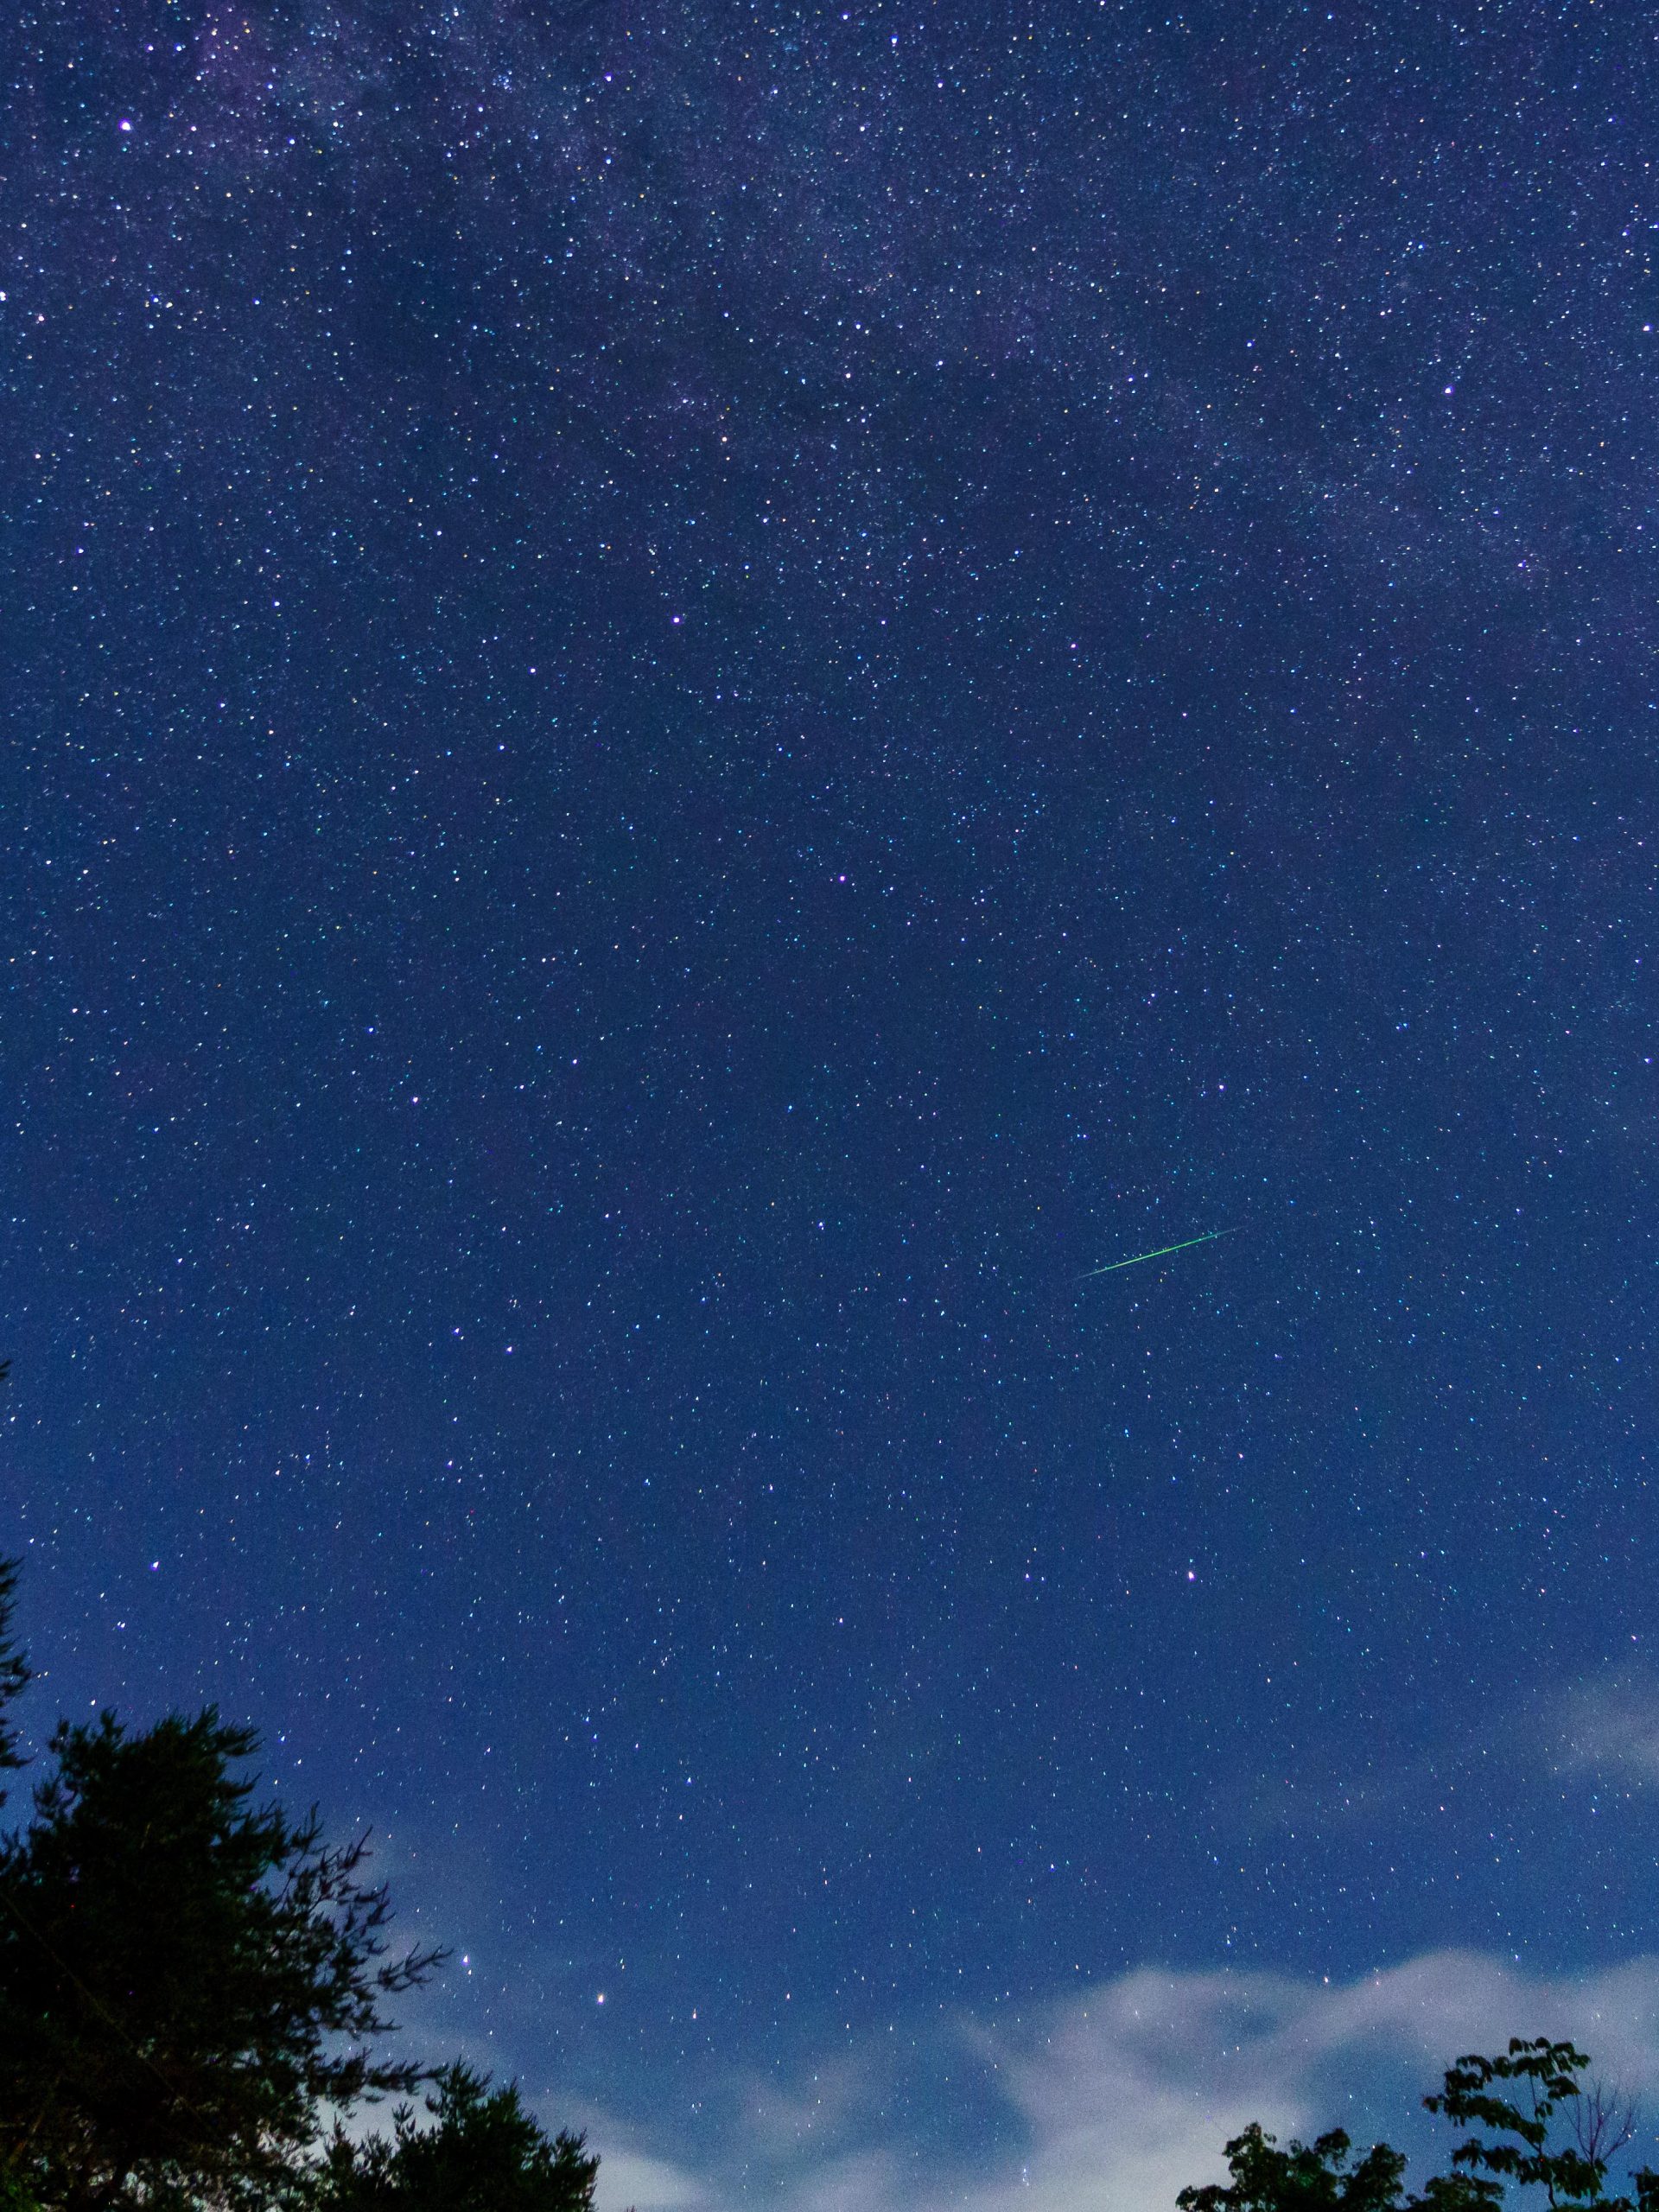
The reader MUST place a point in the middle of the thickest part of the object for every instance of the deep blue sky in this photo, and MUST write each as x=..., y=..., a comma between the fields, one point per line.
x=700, y=699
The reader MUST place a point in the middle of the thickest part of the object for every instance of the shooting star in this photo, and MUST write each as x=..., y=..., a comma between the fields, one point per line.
x=1162, y=1253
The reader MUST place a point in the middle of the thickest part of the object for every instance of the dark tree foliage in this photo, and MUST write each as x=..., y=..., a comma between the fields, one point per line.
x=1571, y=2172
x=480, y=2152
x=1519, y=2096
x=191, y=1987
x=185, y=1979
x=1317, y=2177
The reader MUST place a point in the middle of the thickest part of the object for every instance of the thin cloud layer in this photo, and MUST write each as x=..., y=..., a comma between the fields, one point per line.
x=1116, y=2100
x=1611, y=1729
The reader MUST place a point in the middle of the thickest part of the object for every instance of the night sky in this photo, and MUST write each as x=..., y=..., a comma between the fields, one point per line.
x=700, y=699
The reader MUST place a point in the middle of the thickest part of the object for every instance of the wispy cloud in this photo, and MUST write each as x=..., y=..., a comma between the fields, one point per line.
x=1610, y=1728
x=1115, y=2099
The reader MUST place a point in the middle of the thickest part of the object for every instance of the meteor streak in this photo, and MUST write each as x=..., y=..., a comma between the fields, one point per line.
x=1163, y=1251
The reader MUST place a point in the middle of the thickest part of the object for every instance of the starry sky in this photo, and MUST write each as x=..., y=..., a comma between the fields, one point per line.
x=701, y=700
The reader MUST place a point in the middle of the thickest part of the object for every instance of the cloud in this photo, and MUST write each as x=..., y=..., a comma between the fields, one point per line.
x=628, y=2179
x=1115, y=2099
x=1610, y=1728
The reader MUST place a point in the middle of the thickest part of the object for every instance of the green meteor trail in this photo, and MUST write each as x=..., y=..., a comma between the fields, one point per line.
x=1186, y=1245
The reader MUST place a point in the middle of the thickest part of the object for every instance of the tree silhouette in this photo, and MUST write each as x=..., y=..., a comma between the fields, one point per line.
x=481, y=2152
x=1317, y=2177
x=1604, y=2119
x=191, y=1988
x=1552, y=2132
x=1520, y=2095
x=185, y=1981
